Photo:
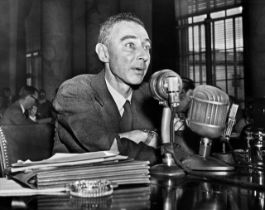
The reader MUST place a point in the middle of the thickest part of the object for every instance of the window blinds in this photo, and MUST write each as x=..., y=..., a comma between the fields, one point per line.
x=185, y=8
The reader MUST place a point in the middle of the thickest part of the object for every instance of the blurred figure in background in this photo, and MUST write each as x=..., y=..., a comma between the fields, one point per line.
x=7, y=97
x=241, y=118
x=15, y=114
x=44, y=112
x=185, y=95
x=184, y=136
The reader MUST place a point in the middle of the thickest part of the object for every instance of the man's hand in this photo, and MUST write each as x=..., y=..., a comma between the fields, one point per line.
x=179, y=124
x=136, y=136
x=150, y=138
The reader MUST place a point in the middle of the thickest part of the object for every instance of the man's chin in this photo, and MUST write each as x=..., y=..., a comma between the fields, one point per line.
x=137, y=82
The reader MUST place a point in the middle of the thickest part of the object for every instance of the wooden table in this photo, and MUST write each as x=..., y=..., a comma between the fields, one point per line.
x=162, y=194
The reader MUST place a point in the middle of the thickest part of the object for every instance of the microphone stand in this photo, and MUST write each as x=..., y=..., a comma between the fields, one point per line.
x=228, y=156
x=205, y=162
x=168, y=167
x=165, y=86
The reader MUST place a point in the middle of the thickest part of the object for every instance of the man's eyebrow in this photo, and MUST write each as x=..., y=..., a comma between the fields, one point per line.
x=128, y=37
x=133, y=37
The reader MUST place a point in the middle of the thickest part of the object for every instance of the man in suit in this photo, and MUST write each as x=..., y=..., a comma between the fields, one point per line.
x=90, y=108
x=16, y=113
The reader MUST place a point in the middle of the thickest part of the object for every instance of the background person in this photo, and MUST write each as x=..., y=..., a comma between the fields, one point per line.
x=188, y=140
x=15, y=114
x=31, y=113
x=45, y=109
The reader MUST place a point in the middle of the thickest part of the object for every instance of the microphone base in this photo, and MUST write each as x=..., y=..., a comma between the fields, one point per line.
x=165, y=170
x=168, y=168
x=211, y=164
x=226, y=157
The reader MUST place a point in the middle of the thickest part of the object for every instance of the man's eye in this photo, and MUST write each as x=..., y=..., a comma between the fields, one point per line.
x=147, y=47
x=130, y=45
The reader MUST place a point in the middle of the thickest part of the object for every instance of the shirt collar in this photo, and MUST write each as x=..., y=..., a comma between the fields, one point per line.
x=118, y=98
x=22, y=108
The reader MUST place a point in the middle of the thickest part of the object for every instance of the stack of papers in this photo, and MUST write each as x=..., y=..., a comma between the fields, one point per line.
x=62, y=169
x=66, y=159
x=122, y=172
x=9, y=187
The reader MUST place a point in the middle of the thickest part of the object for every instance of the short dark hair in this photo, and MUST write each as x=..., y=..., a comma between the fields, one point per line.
x=42, y=91
x=187, y=84
x=27, y=90
x=106, y=27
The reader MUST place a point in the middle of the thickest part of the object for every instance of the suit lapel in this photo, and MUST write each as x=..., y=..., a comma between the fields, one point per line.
x=109, y=110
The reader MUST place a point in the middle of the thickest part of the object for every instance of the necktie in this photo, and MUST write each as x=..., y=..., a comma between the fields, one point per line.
x=126, y=123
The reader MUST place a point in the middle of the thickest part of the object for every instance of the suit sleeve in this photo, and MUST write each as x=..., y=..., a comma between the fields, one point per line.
x=81, y=127
x=139, y=151
x=14, y=116
x=80, y=124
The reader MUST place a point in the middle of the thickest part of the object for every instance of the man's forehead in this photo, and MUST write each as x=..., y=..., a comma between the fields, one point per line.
x=129, y=29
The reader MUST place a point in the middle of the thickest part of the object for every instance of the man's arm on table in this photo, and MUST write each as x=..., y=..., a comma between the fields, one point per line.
x=82, y=128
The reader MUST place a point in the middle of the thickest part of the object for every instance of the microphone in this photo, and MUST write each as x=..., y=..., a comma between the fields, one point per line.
x=208, y=111
x=207, y=116
x=165, y=86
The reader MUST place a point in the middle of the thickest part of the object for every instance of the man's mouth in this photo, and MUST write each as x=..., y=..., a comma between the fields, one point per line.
x=139, y=68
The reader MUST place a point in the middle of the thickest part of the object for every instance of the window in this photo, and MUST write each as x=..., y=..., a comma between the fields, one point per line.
x=211, y=45
x=33, y=69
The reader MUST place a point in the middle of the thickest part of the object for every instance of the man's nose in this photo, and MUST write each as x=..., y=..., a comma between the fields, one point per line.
x=144, y=54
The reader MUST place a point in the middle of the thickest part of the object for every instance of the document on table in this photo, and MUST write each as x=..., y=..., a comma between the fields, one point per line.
x=67, y=159
x=9, y=187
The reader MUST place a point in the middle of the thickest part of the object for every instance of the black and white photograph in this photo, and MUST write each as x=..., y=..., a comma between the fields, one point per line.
x=132, y=104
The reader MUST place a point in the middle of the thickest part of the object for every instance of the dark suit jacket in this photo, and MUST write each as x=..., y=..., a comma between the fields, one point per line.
x=88, y=118
x=13, y=116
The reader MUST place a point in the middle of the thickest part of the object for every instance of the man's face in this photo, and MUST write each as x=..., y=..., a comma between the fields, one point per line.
x=31, y=100
x=33, y=110
x=129, y=52
x=42, y=95
x=185, y=99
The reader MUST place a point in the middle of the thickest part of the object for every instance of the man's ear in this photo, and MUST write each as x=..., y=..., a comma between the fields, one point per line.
x=189, y=92
x=102, y=52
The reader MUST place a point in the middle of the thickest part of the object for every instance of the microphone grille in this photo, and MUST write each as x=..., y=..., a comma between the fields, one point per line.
x=208, y=111
x=159, y=85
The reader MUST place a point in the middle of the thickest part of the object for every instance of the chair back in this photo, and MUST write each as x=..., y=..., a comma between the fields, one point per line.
x=23, y=142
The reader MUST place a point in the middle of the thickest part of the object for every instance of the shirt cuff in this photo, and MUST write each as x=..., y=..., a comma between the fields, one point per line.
x=114, y=146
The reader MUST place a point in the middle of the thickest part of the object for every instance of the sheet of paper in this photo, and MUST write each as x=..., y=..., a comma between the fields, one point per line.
x=67, y=157
x=66, y=163
x=9, y=187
